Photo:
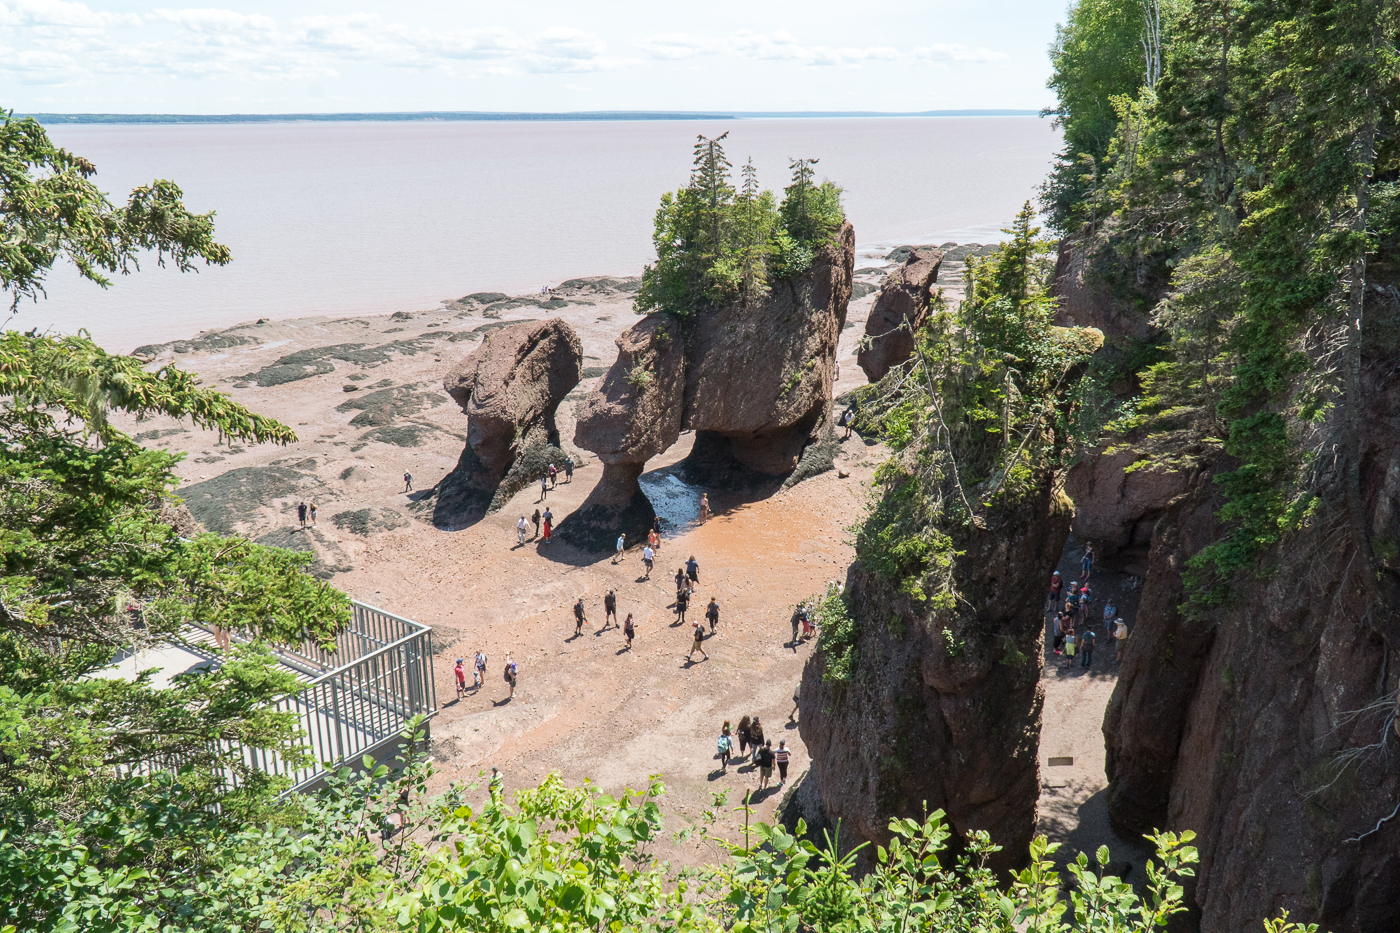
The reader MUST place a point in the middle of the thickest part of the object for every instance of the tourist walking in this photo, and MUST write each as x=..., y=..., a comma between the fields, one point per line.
x=755, y=732
x=697, y=643
x=579, y=617
x=512, y=674
x=407, y=482
x=1059, y=641
x=1120, y=635
x=712, y=614
x=479, y=675
x=301, y=513
x=1057, y=586
x=648, y=559
x=520, y=528
x=764, y=759
x=311, y=513
x=796, y=699
x=692, y=572
x=548, y=526
x=743, y=734
x=496, y=786
x=680, y=580
x=629, y=631
x=704, y=506
x=1071, y=645
x=568, y=469
x=536, y=519
x=1086, y=647
x=1086, y=563
x=544, y=487
x=726, y=746
x=609, y=609
x=1086, y=597
x=682, y=604
x=654, y=539
x=621, y=546
x=780, y=757
x=460, y=672
x=553, y=475
x=797, y=613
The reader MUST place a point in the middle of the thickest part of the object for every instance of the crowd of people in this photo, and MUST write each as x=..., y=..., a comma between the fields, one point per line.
x=749, y=734
x=1072, y=610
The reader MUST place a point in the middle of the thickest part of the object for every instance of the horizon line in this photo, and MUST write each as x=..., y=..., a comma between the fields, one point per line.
x=428, y=116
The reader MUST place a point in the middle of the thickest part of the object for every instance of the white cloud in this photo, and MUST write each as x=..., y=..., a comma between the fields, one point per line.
x=677, y=46
x=780, y=46
x=40, y=67
x=58, y=13
x=940, y=52
x=66, y=41
x=210, y=21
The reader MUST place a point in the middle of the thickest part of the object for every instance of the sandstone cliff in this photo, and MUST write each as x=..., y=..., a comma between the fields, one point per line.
x=903, y=298
x=942, y=708
x=1266, y=724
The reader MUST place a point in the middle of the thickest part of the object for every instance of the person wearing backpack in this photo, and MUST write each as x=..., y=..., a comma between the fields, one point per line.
x=764, y=759
x=479, y=675
x=726, y=746
x=579, y=617
x=682, y=603
x=512, y=674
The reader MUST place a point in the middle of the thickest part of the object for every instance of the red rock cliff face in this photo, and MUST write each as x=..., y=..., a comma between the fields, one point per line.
x=941, y=711
x=1267, y=726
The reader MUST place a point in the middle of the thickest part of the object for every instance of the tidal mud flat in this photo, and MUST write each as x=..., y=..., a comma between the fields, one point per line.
x=366, y=397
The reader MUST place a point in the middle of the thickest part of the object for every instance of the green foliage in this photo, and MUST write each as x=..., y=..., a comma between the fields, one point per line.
x=715, y=245
x=836, y=634
x=1249, y=188
x=979, y=416
x=1097, y=57
x=119, y=797
x=51, y=210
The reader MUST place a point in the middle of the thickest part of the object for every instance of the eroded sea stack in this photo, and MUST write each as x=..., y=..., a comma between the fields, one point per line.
x=753, y=381
x=943, y=708
x=903, y=299
x=509, y=388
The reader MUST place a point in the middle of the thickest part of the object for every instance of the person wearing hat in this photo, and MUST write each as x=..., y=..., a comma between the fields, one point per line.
x=621, y=546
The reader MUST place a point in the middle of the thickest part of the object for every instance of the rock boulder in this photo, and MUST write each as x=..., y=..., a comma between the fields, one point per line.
x=904, y=296
x=509, y=388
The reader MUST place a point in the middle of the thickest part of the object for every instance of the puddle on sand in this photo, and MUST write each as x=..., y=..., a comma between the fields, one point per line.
x=675, y=500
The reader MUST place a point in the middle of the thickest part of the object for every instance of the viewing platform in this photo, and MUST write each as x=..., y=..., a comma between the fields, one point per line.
x=354, y=701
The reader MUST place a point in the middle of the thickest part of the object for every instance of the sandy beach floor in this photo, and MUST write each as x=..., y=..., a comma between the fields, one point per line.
x=586, y=707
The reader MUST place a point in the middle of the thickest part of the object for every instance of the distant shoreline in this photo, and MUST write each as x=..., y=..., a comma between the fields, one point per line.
x=429, y=116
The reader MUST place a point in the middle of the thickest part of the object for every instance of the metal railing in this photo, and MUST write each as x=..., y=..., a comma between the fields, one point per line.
x=378, y=678
x=358, y=698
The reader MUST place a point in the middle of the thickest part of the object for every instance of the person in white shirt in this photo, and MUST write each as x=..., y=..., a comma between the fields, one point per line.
x=520, y=527
x=621, y=546
x=648, y=558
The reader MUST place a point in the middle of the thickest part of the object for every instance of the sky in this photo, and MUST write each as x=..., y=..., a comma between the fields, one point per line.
x=541, y=55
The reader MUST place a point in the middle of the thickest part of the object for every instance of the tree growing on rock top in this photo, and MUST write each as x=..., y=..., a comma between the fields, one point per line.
x=715, y=246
